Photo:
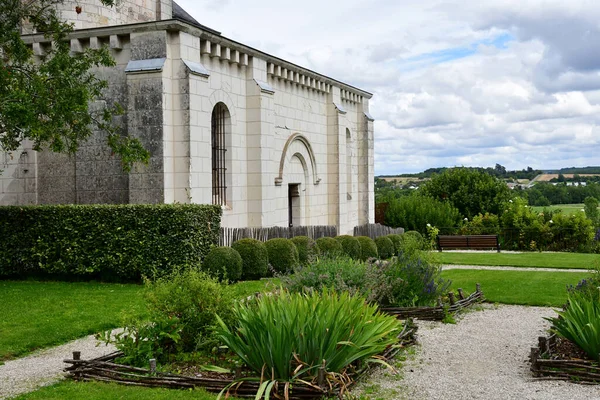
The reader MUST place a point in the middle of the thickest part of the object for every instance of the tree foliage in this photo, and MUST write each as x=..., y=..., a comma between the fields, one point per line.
x=54, y=101
x=471, y=192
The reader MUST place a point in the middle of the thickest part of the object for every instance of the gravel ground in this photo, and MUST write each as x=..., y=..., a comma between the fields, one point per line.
x=45, y=367
x=499, y=268
x=482, y=357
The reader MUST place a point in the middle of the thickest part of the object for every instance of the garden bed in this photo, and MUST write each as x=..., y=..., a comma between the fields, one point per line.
x=105, y=369
x=439, y=312
x=557, y=358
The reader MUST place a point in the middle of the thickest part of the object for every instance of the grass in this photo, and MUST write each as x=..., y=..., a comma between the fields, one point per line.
x=567, y=209
x=70, y=390
x=536, y=260
x=539, y=288
x=42, y=314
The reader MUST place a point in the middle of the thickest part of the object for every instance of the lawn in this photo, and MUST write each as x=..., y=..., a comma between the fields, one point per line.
x=567, y=209
x=543, y=288
x=539, y=260
x=102, y=391
x=42, y=314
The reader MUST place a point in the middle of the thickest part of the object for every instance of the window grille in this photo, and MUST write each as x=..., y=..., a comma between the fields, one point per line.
x=219, y=169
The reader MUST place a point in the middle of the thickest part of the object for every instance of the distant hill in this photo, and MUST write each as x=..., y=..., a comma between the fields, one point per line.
x=498, y=171
x=574, y=170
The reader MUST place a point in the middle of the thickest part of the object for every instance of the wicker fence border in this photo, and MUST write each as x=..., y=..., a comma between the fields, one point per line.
x=546, y=365
x=439, y=312
x=104, y=369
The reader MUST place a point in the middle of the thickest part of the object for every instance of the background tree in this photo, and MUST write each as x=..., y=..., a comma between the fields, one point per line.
x=55, y=101
x=472, y=192
x=591, y=210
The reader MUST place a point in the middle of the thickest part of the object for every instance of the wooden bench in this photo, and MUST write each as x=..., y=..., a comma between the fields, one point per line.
x=468, y=242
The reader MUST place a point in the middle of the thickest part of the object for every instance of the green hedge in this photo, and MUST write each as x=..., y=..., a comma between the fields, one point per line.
x=107, y=242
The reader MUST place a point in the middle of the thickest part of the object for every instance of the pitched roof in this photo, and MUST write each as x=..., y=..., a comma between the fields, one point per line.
x=182, y=15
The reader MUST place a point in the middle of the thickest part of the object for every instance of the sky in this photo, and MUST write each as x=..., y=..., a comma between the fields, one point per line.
x=454, y=83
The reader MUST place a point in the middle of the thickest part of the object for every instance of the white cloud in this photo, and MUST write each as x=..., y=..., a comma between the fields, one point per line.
x=454, y=82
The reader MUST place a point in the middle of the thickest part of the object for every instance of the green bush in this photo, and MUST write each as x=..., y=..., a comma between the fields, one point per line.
x=223, y=263
x=350, y=245
x=580, y=323
x=397, y=240
x=105, y=242
x=283, y=255
x=181, y=317
x=412, y=239
x=329, y=247
x=414, y=212
x=340, y=274
x=368, y=248
x=291, y=335
x=307, y=249
x=385, y=247
x=255, y=258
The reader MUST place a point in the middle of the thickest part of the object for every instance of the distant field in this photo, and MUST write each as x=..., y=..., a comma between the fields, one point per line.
x=568, y=209
x=547, y=177
x=403, y=179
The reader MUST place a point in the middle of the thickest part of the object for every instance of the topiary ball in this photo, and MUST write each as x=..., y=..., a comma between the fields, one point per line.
x=329, y=247
x=415, y=237
x=223, y=263
x=283, y=255
x=350, y=245
x=385, y=247
x=255, y=258
x=397, y=240
x=368, y=248
x=307, y=249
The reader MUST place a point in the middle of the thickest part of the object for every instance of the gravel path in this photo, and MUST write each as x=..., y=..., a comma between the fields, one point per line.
x=499, y=268
x=45, y=367
x=482, y=357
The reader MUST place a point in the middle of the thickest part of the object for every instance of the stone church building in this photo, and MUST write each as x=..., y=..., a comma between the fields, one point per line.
x=273, y=143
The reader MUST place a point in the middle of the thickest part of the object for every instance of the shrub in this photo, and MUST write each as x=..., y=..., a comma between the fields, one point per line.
x=412, y=240
x=385, y=247
x=283, y=255
x=291, y=335
x=223, y=263
x=341, y=274
x=571, y=232
x=580, y=323
x=414, y=212
x=397, y=240
x=368, y=248
x=487, y=224
x=107, y=242
x=407, y=280
x=329, y=247
x=350, y=245
x=182, y=310
x=307, y=249
x=255, y=258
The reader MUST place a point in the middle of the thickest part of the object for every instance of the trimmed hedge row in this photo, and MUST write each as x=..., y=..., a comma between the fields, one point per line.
x=107, y=242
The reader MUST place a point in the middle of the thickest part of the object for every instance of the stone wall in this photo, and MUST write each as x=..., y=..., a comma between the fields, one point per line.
x=94, y=14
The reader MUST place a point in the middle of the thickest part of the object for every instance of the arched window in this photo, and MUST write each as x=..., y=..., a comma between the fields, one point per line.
x=219, y=131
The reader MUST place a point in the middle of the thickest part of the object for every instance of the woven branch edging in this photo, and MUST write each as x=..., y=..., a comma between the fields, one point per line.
x=105, y=369
x=544, y=366
x=440, y=311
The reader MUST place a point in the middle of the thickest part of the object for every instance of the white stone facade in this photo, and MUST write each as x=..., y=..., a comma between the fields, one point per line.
x=284, y=126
